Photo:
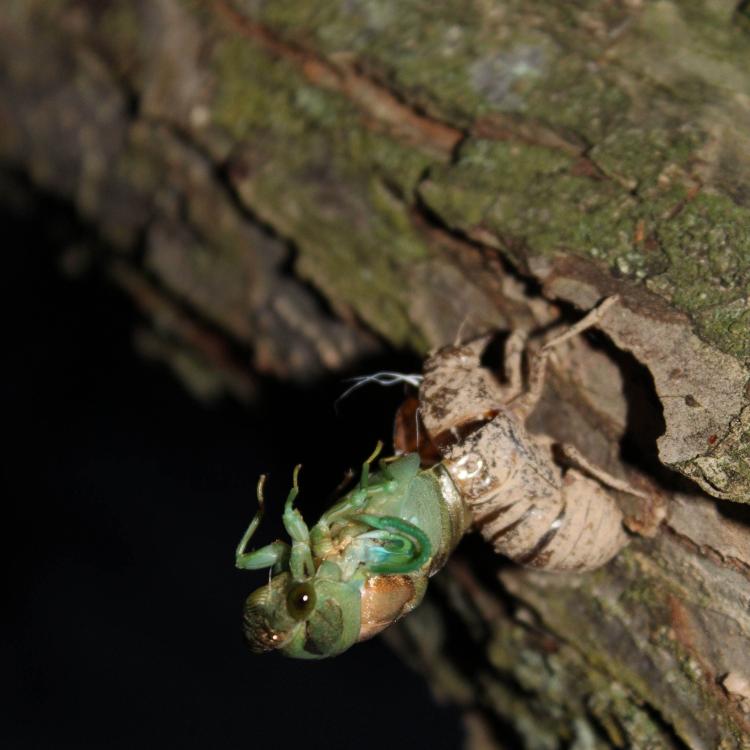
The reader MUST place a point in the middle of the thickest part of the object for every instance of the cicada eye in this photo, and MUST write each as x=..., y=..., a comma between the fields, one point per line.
x=300, y=601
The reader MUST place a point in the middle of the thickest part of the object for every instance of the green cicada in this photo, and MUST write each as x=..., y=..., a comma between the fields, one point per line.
x=363, y=565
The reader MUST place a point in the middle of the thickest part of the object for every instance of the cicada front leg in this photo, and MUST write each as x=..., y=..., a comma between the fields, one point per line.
x=301, y=561
x=526, y=402
x=274, y=555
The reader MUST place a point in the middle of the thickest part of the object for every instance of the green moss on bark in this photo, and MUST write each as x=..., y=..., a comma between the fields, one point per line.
x=325, y=179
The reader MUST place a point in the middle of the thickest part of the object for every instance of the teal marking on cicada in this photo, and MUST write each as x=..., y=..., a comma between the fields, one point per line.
x=362, y=566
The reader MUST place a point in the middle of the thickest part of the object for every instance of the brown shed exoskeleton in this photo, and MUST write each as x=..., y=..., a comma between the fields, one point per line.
x=521, y=500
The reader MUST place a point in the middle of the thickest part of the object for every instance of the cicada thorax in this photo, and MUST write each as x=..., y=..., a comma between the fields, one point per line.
x=521, y=500
x=456, y=395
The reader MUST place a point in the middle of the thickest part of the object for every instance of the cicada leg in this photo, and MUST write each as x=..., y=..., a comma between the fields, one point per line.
x=526, y=403
x=512, y=356
x=364, y=477
x=272, y=555
x=301, y=561
x=576, y=457
x=356, y=499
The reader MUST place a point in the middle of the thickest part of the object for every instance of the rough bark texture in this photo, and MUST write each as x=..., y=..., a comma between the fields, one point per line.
x=280, y=180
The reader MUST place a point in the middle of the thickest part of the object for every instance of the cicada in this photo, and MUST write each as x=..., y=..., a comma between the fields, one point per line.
x=367, y=561
x=362, y=566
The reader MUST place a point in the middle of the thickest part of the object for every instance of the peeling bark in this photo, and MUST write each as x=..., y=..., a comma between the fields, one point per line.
x=277, y=184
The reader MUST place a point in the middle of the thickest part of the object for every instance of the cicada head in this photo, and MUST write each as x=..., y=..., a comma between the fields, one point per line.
x=309, y=619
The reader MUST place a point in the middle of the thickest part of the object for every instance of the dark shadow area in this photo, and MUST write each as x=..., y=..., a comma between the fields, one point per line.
x=468, y=653
x=737, y=512
x=125, y=500
x=645, y=417
x=644, y=421
x=493, y=357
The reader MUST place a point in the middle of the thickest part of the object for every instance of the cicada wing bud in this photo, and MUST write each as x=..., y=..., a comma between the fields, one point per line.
x=384, y=600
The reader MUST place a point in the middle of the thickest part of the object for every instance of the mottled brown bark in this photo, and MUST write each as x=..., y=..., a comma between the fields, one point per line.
x=280, y=183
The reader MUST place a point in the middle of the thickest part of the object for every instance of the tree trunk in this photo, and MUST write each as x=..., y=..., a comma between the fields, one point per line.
x=278, y=184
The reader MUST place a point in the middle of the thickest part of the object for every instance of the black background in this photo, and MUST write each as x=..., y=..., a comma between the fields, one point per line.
x=125, y=499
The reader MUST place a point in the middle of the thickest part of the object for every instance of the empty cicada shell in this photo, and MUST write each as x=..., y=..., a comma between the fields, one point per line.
x=523, y=502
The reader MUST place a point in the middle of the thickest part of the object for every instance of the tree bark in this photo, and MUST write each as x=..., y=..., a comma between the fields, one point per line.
x=279, y=184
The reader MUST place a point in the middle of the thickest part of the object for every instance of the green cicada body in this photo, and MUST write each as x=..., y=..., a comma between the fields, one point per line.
x=364, y=564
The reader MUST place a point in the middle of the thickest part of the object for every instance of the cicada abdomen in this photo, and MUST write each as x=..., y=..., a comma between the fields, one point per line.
x=526, y=508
